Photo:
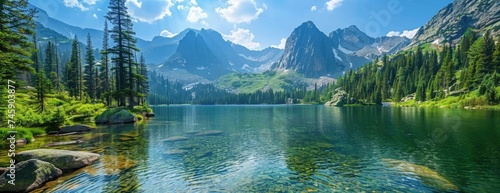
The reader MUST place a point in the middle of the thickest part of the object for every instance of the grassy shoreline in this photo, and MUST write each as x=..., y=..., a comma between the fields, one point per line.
x=60, y=110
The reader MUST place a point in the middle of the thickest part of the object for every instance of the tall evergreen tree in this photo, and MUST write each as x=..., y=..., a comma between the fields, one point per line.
x=16, y=25
x=144, y=82
x=122, y=51
x=89, y=70
x=105, y=74
x=73, y=71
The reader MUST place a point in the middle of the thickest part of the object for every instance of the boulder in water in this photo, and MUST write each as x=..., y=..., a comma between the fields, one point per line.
x=115, y=116
x=29, y=174
x=74, y=128
x=62, y=159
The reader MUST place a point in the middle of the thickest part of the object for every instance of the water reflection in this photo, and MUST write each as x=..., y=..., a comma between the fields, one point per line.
x=292, y=148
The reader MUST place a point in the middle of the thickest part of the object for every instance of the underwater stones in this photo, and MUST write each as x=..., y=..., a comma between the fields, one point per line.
x=114, y=164
x=30, y=174
x=175, y=138
x=51, y=144
x=74, y=128
x=427, y=175
x=62, y=159
x=192, y=132
x=209, y=132
x=176, y=152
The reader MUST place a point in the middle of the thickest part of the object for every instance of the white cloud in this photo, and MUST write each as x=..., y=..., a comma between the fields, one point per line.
x=168, y=34
x=243, y=37
x=83, y=5
x=332, y=4
x=149, y=11
x=193, y=2
x=180, y=7
x=90, y=2
x=75, y=4
x=281, y=45
x=406, y=33
x=95, y=16
x=196, y=14
x=313, y=8
x=240, y=11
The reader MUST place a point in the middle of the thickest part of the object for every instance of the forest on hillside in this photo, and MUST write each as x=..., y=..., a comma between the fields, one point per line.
x=468, y=70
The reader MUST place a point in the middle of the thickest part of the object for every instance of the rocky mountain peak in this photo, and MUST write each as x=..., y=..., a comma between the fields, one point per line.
x=309, y=51
x=451, y=22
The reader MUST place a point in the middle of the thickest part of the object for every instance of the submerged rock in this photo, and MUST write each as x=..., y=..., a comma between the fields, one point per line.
x=427, y=175
x=209, y=132
x=30, y=174
x=192, y=132
x=74, y=128
x=64, y=143
x=115, y=116
x=175, y=138
x=62, y=159
x=114, y=164
x=176, y=152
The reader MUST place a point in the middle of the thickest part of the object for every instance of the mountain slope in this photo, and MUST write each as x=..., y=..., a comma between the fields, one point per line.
x=207, y=55
x=309, y=51
x=451, y=22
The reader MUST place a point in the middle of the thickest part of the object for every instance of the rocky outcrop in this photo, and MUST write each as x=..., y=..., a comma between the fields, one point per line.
x=74, y=128
x=29, y=174
x=115, y=116
x=341, y=98
x=451, y=22
x=338, y=100
x=62, y=159
x=408, y=98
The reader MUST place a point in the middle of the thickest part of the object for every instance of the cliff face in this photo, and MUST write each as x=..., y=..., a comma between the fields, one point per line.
x=309, y=52
x=451, y=22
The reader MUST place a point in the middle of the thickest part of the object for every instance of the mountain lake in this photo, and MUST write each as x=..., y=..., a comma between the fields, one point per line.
x=290, y=148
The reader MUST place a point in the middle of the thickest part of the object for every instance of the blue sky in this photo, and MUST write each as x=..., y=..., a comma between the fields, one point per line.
x=256, y=24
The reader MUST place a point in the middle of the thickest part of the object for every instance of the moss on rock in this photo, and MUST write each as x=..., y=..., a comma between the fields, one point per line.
x=30, y=174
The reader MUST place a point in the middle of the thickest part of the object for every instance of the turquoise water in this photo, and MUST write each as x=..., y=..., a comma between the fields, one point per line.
x=294, y=149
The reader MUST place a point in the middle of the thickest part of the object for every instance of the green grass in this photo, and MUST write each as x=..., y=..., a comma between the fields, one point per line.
x=26, y=133
x=470, y=100
x=250, y=83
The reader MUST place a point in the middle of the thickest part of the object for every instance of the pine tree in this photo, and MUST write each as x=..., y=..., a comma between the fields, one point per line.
x=16, y=25
x=122, y=51
x=105, y=74
x=496, y=57
x=73, y=71
x=89, y=71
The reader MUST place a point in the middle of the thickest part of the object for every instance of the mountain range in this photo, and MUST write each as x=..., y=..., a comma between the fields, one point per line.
x=204, y=55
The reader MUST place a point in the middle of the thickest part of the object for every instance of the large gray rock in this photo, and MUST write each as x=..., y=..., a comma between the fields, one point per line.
x=339, y=99
x=29, y=174
x=62, y=159
x=74, y=128
x=115, y=116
